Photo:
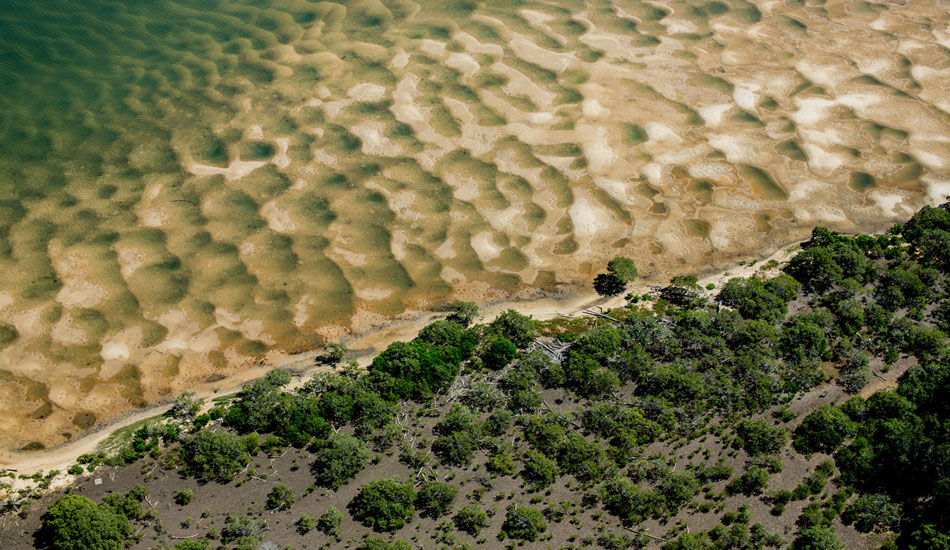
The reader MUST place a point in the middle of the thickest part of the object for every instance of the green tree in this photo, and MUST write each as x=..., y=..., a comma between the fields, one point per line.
x=677, y=490
x=515, y=327
x=784, y=286
x=464, y=314
x=622, y=268
x=872, y=512
x=414, y=370
x=815, y=269
x=253, y=410
x=443, y=333
x=435, y=499
x=683, y=291
x=753, y=300
x=340, y=458
x=523, y=523
x=214, y=456
x=384, y=504
x=185, y=406
x=501, y=463
x=758, y=437
x=75, y=522
x=803, y=337
x=632, y=505
x=499, y=352
x=609, y=285
x=823, y=430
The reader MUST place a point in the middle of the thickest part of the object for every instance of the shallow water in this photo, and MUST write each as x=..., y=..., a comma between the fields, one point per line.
x=186, y=185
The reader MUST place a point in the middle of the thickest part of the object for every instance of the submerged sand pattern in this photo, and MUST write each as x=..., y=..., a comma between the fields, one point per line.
x=256, y=177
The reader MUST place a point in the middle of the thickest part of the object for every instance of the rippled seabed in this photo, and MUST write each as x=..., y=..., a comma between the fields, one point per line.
x=187, y=184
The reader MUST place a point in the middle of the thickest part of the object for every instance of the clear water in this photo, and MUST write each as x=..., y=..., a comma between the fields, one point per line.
x=186, y=185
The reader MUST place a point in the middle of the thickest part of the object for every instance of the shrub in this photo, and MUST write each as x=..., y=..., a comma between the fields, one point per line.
x=384, y=504
x=280, y=496
x=376, y=543
x=817, y=538
x=184, y=496
x=455, y=449
x=185, y=406
x=241, y=531
x=329, y=522
x=128, y=505
x=523, y=523
x=471, y=519
x=338, y=460
x=435, y=499
x=74, y=522
x=539, y=471
x=305, y=524
x=753, y=482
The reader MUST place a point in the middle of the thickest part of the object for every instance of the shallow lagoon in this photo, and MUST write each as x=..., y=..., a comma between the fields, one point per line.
x=188, y=185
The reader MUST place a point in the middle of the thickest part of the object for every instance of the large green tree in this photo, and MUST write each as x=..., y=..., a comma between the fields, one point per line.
x=214, y=456
x=75, y=522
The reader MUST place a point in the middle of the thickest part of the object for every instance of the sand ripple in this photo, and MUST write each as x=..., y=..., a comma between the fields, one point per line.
x=184, y=190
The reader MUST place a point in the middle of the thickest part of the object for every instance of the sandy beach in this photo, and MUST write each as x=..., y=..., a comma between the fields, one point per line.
x=364, y=347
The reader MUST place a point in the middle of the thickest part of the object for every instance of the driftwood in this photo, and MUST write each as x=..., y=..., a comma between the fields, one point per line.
x=555, y=350
x=654, y=537
x=265, y=480
x=601, y=315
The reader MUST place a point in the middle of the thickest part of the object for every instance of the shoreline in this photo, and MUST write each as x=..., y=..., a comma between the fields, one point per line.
x=363, y=347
